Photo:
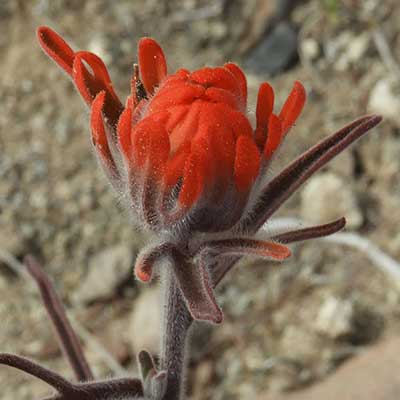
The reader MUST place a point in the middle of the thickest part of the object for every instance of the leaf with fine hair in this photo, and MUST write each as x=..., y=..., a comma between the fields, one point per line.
x=69, y=342
x=312, y=232
x=195, y=284
x=279, y=189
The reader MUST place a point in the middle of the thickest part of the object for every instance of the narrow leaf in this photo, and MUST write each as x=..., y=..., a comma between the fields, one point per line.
x=30, y=367
x=146, y=364
x=310, y=233
x=68, y=340
x=279, y=189
x=196, y=287
x=245, y=246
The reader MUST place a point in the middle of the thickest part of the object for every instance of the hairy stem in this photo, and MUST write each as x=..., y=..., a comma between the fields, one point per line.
x=176, y=324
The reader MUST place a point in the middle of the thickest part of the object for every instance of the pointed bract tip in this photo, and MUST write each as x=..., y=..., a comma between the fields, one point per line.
x=56, y=47
x=286, y=253
x=43, y=30
x=374, y=119
x=341, y=223
x=144, y=267
x=146, y=363
x=142, y=275
x=152, y=63
x=40, y=30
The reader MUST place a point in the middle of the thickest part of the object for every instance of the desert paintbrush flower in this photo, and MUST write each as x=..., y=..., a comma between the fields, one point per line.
x=187, y=162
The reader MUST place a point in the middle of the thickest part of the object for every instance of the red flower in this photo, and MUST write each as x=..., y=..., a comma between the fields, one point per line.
x=185, y=140
x=189, y=163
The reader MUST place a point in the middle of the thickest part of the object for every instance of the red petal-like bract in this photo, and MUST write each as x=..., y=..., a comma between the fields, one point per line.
x=247, y=163
x=275, y=132
x=218, y=77
x=265, y=106
x=159, y=148
x=89, y=83
x=124, y=130
x=56, y=48
x=194, y=175
x=99, y=137
x=152, y=64
x=150, y=142
x=271, y=129
x=293, y=106
x=242, y=82
x=175, y=165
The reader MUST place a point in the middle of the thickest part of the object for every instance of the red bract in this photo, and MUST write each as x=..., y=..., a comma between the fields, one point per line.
x=183, y=147
x=189, y=164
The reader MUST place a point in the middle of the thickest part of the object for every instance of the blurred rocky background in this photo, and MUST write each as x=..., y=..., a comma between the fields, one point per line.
x=312, y=323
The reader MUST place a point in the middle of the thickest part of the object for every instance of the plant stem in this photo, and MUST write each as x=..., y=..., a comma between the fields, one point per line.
x=176, y=324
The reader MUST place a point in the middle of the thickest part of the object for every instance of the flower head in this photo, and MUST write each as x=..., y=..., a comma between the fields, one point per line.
x=191, y=166
x=182, y=147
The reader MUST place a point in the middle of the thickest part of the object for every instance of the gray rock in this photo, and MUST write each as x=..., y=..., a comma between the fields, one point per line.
x=372, y=375
x=384, y=100
x=335, y=318
x=354, y=49
x=275, y=52
x=346, y=49
x=145, y=320
x=327, y=197
x=298, y=343
x=107, y=270
x=310, y=48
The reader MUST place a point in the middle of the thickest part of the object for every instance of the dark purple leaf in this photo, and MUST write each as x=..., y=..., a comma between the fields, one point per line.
x=68, y=340
x=310, y=233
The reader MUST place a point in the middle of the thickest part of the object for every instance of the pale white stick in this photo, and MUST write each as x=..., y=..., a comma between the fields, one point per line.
x=97, y=347
x=12, y=263
x=385, y=52
x=383, y=261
